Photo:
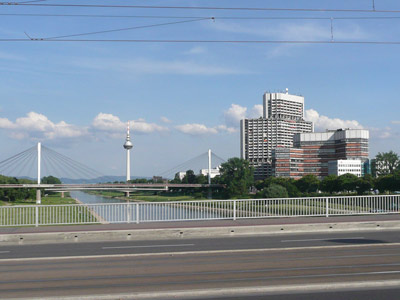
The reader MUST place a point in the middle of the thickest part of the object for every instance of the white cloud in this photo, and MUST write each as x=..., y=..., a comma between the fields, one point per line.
x=236, y=112
x=113, y=125
x=196, y=129
x=140, y=126
x=147, y=66
x=165, y=120
x=224, y=128
x=196, y=50
x=395, y=122
x=256, y=111
x=38, y=126
x=6, y=123
x=383, y=133
x=306, y=31
x=298, y=31
x=321, y=122
x=108, y=122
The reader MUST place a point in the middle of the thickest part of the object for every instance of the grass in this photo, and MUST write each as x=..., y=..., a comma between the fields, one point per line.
x=47, y=215
x=48, y=200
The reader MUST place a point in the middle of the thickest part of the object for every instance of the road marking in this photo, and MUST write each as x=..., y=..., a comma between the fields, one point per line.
x=334, y=239
x=199, y=252
x=148, y=246
x=243, y=292
x=4, y=252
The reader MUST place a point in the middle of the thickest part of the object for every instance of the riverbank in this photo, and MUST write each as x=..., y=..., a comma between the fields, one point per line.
x=141, y=197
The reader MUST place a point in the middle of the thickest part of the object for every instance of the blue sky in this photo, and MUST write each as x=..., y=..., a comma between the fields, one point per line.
x=185, y=98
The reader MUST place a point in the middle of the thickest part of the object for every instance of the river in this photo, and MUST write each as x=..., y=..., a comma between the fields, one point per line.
x=93, y=199
x=108, y=210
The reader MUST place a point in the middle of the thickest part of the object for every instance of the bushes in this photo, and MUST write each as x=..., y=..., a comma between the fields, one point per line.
x=274, y=191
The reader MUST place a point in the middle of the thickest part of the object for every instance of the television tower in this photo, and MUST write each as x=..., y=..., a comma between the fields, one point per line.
x=128, y=146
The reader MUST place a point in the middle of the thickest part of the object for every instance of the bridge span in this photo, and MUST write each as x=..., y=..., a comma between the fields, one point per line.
x=102, y=186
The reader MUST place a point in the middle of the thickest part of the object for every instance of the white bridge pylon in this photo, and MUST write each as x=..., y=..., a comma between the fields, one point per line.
x=39, y=158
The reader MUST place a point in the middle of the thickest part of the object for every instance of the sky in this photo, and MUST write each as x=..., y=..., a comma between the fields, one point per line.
x=185, y=98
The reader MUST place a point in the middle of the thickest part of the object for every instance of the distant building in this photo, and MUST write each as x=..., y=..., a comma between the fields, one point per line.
x=159, y=179
x=181, y=175
x=350, y=166
x=312, y=152
x=214, y=172
x=283, y=116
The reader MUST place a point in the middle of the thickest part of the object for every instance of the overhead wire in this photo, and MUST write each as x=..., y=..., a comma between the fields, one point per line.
x=16, y=171
x=52, y=166
x=31, y=163
x=202, y=7
x=70, y=162
x=5, y=164
x=192, y=17
x=202, y=41
x=181, y=166
x=129, y=28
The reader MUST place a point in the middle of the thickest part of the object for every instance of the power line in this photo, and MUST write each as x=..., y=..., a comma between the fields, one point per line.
x=199, y=17
x=201, y=7
x=127, y=28
x=203, y=41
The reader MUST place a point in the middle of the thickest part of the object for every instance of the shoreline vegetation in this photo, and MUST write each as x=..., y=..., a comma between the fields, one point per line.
x=46, y=200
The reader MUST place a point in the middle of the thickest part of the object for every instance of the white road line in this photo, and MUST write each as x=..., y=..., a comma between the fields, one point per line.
x=243, y=292
x=148, y=246
x=327, y=239
x=204, y=252
x=4, y=252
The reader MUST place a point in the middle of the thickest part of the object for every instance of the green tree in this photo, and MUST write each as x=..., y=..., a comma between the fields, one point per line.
x=388, y=183
x=365, y=184
x=201, y=179
x=189, y=178
x=176, y=179
x=348, y=182
x=330, y=184
x=237, y=174
x=50, y=180
x=308, y=184
x=287, y=183
x=275, y=191
x=386, y=163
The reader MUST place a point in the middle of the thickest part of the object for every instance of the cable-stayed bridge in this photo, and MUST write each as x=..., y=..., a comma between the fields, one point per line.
x=41, y=161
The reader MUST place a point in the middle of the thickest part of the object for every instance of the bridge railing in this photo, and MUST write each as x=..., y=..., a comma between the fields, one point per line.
x=135, y=212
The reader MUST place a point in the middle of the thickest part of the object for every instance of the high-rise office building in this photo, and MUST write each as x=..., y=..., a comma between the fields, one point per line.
x=283, y=116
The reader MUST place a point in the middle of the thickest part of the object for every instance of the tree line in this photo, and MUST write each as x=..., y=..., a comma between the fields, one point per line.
x=238, y=178
x=12, y=195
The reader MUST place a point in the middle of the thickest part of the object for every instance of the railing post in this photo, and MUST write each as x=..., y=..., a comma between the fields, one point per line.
x=37, y=216
x=128, y=212
x=234, y=210
x=327, y=207
x=137, y=213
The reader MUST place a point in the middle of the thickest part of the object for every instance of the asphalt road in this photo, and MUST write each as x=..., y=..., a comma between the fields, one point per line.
x=228, y=264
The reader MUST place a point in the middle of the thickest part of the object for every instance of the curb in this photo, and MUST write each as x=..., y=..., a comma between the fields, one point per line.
x=176, y=233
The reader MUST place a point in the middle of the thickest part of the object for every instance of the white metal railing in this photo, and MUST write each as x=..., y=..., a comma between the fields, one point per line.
x=36, y=215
